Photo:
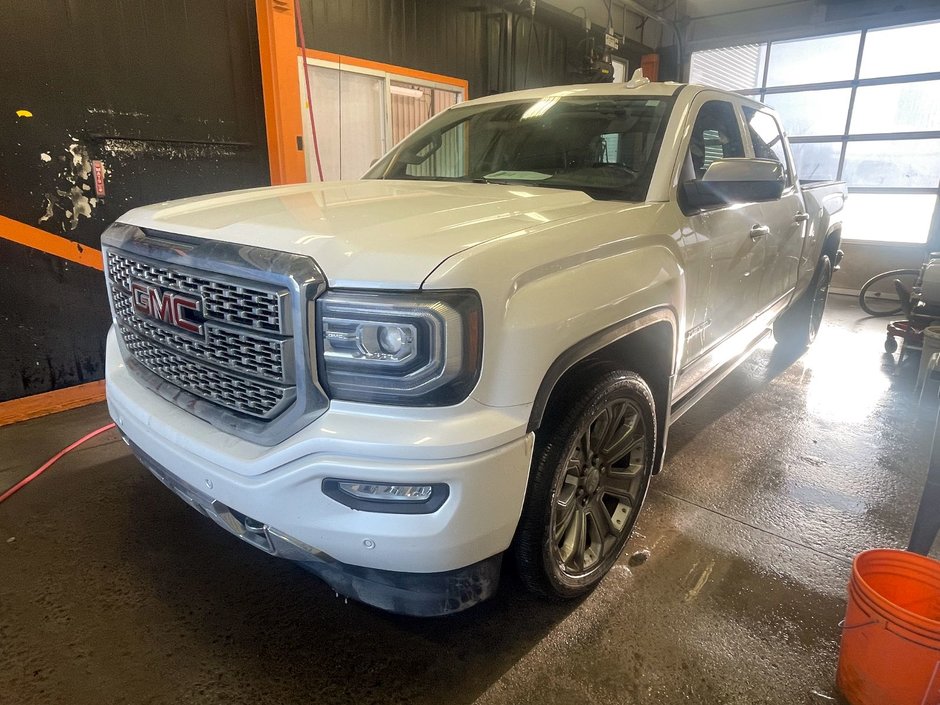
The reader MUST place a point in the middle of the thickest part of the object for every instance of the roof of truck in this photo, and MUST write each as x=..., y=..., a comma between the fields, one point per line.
x=644, y=89
x=641, y=88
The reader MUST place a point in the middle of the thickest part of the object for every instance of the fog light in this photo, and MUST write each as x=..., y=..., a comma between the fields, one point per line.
x=395, y=493
x=386, y=497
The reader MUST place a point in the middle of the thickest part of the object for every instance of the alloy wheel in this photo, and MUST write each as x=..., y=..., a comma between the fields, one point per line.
x=599, y=489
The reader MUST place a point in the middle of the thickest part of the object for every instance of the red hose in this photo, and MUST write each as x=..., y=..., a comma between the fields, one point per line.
x=46, y=465
x=303, y=50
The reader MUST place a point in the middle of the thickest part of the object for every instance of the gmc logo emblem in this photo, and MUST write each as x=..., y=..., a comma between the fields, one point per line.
x=170, y=307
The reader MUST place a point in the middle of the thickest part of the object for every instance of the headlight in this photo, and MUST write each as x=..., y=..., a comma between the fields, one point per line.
x=421, y=349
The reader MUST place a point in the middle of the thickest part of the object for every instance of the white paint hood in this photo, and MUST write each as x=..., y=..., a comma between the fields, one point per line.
x=370, y=233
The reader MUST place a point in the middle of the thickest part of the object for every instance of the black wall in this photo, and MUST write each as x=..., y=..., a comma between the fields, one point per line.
x=167, y=93
x=491, y=44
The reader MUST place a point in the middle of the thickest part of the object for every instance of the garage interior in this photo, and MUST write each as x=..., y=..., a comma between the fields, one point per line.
x=733, y=586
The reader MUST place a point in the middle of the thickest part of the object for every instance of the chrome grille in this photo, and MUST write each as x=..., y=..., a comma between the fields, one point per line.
x=226, y=302
x=242, y=362
x=244, y=351
x=247, y=396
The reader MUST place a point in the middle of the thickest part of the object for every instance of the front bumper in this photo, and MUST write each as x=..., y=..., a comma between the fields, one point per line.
x=417, y=594
x=279, y=488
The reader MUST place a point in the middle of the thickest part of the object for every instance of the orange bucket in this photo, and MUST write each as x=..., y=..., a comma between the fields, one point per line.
x=890, y=652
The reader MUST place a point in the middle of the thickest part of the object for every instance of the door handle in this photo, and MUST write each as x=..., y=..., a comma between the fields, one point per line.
x=759, y=231
x=801, y=217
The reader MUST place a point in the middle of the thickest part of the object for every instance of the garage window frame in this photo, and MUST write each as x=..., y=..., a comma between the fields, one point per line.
x=845, y=137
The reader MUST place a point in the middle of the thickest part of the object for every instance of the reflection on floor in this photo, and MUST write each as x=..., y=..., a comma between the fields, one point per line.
x=111, y=590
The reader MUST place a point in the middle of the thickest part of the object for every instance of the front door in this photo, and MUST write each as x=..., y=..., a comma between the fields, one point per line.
x=785, y=217
x=724, y=256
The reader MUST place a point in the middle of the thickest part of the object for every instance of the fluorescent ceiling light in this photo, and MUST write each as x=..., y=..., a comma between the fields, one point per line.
x=407, y=92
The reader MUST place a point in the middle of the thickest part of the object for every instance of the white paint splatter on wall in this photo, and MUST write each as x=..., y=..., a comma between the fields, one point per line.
x=111, y=112
x=67, y=203
x=81, y=164
x=81, y=206
x=165, y=150
x=48, y=213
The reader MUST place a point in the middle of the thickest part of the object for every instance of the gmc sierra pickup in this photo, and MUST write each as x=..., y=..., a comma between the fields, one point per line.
x=478, y=346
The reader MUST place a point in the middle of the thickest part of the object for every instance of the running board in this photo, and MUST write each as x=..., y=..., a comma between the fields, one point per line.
x=690, y=398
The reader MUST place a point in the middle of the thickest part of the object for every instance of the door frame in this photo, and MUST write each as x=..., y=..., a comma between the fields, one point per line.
x=388, y=72
x=280, y=58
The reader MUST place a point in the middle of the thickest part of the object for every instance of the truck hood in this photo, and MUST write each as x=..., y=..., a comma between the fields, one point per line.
x=373, y=234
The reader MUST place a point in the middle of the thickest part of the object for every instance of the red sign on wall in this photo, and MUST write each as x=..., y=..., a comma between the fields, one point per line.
x=97, y=169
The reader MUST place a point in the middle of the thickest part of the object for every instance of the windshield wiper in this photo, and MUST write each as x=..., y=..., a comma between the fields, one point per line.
x=527, y=182
x=600, y=193
x=411, y=177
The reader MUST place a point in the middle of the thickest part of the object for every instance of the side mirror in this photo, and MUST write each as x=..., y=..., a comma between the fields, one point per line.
x=735, y=181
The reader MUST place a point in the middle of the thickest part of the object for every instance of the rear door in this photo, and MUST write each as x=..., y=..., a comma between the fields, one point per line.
x=785, y=218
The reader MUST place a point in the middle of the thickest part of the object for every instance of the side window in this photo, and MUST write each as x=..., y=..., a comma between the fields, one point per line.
x=611, y=148
x=715, y=135
x=767, y=138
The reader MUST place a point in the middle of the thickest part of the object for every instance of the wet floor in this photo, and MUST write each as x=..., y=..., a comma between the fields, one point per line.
x=113, y=591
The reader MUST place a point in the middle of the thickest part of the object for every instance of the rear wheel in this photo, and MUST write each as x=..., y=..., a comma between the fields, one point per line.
x=798, y=326
x=588, y=483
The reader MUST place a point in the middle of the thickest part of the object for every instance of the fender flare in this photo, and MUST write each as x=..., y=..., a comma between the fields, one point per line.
x=593, y=343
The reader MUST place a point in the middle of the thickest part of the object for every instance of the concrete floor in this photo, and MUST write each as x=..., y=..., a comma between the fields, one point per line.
x=113, y=591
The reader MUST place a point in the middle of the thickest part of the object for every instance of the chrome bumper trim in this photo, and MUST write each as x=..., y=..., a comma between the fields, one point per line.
x=258, y=534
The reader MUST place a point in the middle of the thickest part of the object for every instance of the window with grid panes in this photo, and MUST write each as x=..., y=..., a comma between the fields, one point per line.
x=859, y=106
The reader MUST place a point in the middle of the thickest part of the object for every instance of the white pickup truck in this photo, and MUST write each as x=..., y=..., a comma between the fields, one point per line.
x=478, y=347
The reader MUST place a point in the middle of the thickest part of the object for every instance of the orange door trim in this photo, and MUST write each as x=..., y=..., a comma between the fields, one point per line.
x=388, y=68
x=15, y=231
x=280, y=86
x=50, y=402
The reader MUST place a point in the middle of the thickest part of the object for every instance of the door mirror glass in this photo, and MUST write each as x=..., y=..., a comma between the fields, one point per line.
x=728, y=181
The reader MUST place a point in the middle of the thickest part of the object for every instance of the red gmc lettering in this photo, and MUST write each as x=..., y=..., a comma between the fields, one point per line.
x=167, y=306
x=180, y=305
x=161, y=306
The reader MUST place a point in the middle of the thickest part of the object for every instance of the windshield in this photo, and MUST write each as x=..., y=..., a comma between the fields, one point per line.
x=603, y=145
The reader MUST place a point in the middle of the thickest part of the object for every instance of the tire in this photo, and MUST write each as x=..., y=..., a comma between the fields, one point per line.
x=878, y=297
x=584, y=496
x=797, y=327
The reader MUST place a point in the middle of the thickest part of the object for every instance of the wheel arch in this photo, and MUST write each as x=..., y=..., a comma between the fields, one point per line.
x=646, y=344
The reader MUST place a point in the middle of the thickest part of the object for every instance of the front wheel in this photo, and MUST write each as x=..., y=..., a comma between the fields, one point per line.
x=588, y=482
x=797, y=327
